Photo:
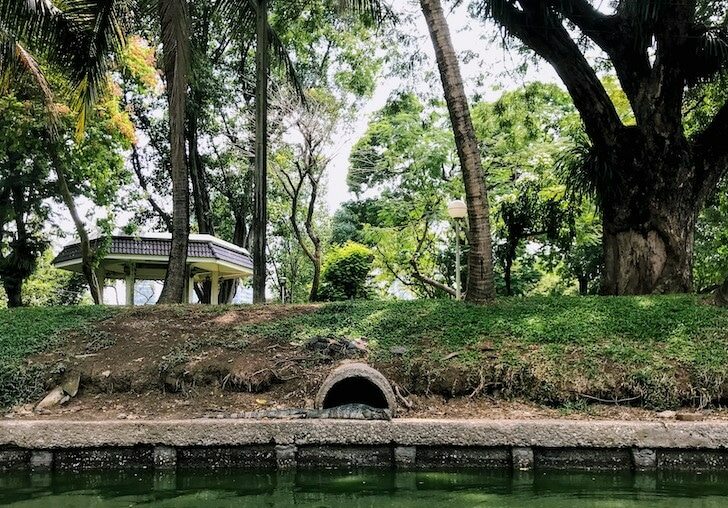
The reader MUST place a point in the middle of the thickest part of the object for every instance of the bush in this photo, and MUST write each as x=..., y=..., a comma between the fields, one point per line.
x=346, y=273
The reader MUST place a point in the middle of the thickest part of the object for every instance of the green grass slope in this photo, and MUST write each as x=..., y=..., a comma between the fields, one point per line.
x=26, y=331
x=660, y=351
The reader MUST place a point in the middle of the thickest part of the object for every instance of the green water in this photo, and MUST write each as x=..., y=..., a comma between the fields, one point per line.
x=356, y=489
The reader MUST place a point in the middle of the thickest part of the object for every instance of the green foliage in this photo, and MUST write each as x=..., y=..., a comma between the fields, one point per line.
x=524, y=131
x=346, y=272
x=665, y=350
x=49, y=286
x=28, y=183
x=711, y=242
x=408, y=156
x=24, y=191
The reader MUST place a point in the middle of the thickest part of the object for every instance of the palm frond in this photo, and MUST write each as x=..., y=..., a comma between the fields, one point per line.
x=99, y=29
x=29, y=19
x=374, y=11
x=585, y=173
x=32, y=69
x=79, y=37
x=243, y=15
x=707, y=54
x=283, y=57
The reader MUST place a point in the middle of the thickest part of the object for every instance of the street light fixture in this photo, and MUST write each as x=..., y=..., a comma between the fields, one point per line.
x=457, y=210
x=283, y=281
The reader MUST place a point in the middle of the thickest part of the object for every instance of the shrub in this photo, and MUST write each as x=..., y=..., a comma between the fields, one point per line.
x=346, y=273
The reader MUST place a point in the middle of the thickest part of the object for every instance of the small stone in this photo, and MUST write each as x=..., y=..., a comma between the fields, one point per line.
x=122, y=416
x=70, y=383
x=690, y=417
x=106, y=374
x=50, y=400
x=64, y=400
x=666, y=414
x=398, y=350
x=359, y=345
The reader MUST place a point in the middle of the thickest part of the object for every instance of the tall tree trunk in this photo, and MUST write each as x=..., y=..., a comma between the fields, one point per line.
x=14, y=291
x=175, y=38
x=480, y=286
x=260, y=205
x=583, y=285
x=87, y=251
x=198, y=176
x=313, y=295
x=649, y=220
x=507, y=275
x=721, y=297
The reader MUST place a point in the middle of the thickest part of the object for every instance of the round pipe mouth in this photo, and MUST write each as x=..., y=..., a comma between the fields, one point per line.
x=356, y=383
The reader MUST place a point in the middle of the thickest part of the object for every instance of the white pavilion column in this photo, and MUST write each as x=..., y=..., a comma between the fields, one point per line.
x=215, y=288
x=191, y=289
x=130, y=279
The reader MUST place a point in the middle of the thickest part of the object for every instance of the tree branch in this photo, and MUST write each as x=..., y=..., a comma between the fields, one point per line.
x=601, y=28
x=136, y=164
x=540, y=29
x=430, y=282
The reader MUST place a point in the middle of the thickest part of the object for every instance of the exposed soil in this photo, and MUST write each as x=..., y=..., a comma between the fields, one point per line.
x=171, y=351
x=167, y=363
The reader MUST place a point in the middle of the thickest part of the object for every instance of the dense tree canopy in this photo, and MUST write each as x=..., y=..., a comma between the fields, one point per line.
x=611, y=181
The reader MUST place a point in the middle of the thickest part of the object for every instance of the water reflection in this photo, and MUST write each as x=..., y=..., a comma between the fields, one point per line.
x=358, y=489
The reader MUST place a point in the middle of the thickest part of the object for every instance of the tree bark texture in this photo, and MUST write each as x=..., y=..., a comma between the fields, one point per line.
x=175, y=41
x=649, y=216
x=480, y=285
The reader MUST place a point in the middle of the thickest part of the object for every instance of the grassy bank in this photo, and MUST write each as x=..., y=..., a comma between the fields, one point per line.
x=27, y=331
x=657, y=352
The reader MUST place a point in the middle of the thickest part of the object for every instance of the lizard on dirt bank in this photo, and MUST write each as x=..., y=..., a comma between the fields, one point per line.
x=344, y=412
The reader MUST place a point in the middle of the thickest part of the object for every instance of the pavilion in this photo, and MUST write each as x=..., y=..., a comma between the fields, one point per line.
x=132, y=258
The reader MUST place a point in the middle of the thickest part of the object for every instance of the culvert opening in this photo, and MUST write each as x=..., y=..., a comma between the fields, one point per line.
x=355, y=390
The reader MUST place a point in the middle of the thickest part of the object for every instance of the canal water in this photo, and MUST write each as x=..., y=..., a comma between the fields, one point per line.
x=364, y=489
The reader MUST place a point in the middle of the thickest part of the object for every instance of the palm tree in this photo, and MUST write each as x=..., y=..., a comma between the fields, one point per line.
x=175, y=29
x=481, y=287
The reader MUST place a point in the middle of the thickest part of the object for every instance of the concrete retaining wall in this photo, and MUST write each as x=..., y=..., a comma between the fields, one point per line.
x=402, y=443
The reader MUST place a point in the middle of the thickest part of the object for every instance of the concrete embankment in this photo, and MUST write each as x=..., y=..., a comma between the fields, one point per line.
x=402, y=443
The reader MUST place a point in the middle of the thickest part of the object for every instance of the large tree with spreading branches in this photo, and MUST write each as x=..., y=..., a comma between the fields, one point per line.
x=651, y=178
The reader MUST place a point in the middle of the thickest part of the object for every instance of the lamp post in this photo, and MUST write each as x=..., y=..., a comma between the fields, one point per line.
x=457, y=210
x=283, y=281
